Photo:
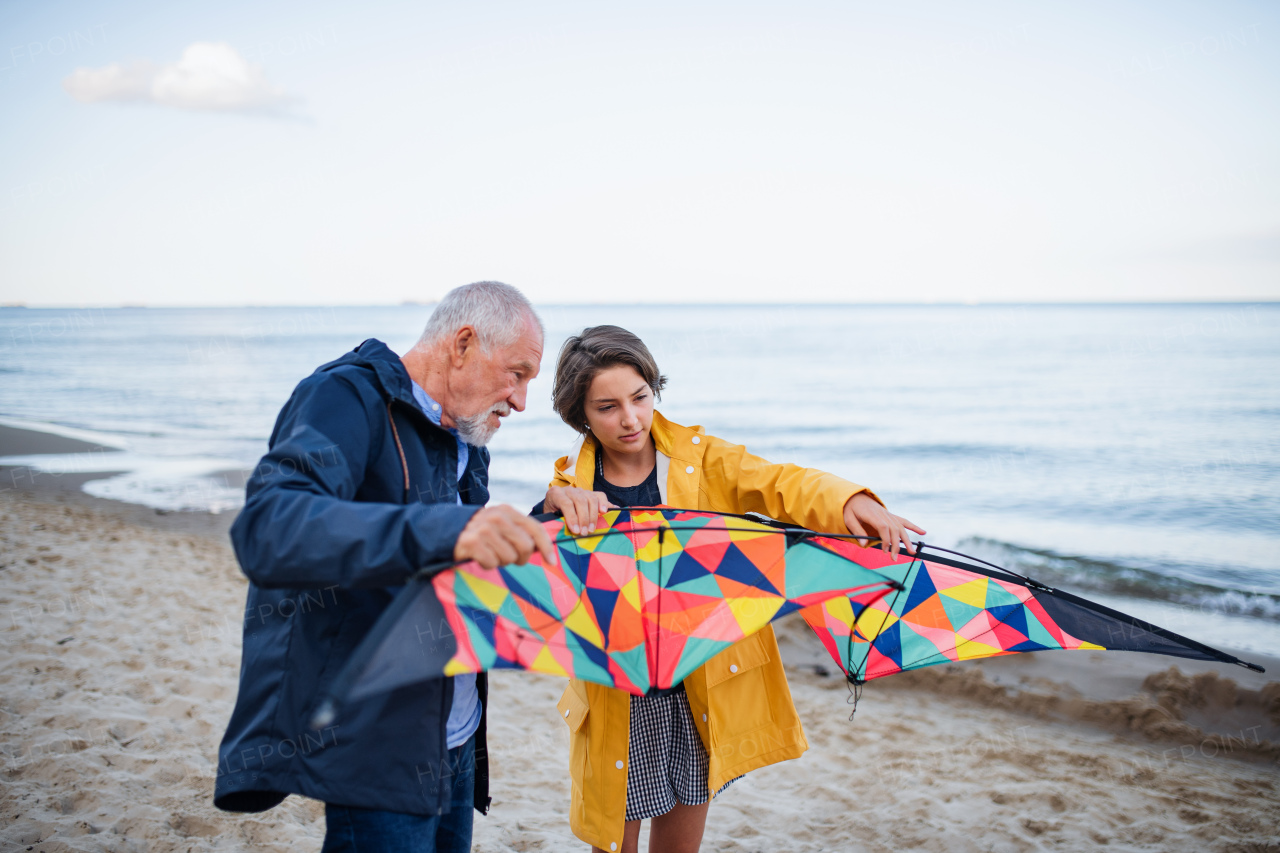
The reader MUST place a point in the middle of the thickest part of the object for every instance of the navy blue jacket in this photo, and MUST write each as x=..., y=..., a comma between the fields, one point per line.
x=337, y=512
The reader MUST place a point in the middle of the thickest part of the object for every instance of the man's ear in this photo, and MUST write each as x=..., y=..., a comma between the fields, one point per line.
x=463, y=343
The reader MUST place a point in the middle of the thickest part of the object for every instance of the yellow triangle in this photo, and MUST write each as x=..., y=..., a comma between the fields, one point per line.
x=969, y=649
x=580, y=623
x=490, y=594
x=1085, y=644
x=456, y=667
x=872, y=623
x=631, y=592
x=546, y=662
x=659, y=545
x=840, y=607
x=973, y=592
x=754, y=613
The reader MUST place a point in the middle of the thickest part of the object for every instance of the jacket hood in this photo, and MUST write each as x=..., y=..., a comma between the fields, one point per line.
x=388, y=373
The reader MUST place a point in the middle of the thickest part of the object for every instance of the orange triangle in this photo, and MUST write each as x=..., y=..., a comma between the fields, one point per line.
x=930, y=614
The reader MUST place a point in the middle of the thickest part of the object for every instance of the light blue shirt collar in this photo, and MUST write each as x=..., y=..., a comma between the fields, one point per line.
x=432, y=410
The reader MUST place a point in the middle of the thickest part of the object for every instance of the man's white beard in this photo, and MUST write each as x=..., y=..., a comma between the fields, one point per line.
x=475, y=430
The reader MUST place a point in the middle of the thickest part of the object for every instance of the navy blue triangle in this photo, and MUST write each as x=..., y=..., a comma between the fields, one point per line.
x=481, y=619
x=686, y=569
x=596, y=656
x=921, y=588
x=737, y=566
x=578, y=564
x=603, y=600
x=889, y=643
x=519, y=591
x=1012, y=615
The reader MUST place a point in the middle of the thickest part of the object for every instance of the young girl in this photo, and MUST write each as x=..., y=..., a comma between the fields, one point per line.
x=663, y=757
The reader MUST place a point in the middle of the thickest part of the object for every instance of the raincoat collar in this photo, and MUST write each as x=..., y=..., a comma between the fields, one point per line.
x=667, y=436
x=390, y=376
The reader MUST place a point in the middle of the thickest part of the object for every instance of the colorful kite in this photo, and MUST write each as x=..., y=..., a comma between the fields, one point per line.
x=948, y=610
x=658, y=592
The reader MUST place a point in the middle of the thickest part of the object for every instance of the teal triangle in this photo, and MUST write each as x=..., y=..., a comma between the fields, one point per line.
x=958, y=612
x=533, y=584
x=1037, y=634
x=616, y=544
x=634, y=663
x=687, y=531
x=998, y=596
x=584, y=666
x=705, y=585
x=486, y=654
x=917, y=650
x=512, y=611
x=811, y=570
x=697, y=651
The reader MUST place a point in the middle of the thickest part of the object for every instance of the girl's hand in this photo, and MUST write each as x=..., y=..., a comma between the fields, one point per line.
x=864, y=516
x=581, y=509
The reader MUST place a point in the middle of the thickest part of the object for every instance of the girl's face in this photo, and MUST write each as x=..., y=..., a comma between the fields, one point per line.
x=619, y=409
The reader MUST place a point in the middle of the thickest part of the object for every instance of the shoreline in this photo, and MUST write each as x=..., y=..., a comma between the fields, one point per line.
x=67, y=487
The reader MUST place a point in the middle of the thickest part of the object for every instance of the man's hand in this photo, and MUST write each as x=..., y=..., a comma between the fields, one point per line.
x=581, y=509
x=864, y=516
x=499, y=535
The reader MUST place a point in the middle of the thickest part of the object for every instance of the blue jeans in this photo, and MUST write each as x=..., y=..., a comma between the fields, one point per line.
x=354, y=830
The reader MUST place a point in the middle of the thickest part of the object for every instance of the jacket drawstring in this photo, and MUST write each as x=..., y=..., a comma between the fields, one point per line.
x=404, y=464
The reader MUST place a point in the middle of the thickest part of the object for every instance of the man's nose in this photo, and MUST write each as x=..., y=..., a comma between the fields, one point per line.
x=519, y=396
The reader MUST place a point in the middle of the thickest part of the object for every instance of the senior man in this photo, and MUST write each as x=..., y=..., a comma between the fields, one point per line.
x=376, y=468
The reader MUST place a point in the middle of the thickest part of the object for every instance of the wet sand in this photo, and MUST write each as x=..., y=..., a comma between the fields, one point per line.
x=121, y=635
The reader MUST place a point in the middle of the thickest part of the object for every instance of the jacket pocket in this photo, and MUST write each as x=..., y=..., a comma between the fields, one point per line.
x=743, y=656
x=573, y=708
x=737, y=693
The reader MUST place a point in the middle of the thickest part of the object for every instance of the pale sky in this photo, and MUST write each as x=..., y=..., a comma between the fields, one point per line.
x=342, y=153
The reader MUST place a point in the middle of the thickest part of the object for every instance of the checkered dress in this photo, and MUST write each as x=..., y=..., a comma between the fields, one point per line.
x=666, y=761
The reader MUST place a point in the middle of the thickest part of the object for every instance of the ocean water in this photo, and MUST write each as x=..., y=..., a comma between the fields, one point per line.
x=1128, y=452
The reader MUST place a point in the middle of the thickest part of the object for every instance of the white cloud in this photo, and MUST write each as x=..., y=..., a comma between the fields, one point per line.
x=209, y=76
x=116, y=82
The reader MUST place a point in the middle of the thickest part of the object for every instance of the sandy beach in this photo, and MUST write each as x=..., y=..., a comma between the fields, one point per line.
x=121, y=635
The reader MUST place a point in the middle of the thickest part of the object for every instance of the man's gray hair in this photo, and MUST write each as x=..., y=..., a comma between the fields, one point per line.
x=498, y=312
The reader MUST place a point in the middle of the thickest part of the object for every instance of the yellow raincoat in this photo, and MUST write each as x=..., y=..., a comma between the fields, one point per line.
x=740, y=700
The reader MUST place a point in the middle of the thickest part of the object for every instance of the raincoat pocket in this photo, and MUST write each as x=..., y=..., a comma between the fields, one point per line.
x=574, y=711
x=737, y=690
x=573, y=708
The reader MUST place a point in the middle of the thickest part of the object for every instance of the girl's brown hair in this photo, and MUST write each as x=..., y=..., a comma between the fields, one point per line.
x=585, y=355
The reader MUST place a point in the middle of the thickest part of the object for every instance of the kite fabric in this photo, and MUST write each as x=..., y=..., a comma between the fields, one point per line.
x=950, y=610
x=657, y=592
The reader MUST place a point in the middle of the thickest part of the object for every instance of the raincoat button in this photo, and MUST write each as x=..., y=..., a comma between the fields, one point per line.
x=618, y=764
x=697, y=440
x=704, y=718
x=613, y=845
x=733, y=667
x=566, y=713
x=689, y=470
